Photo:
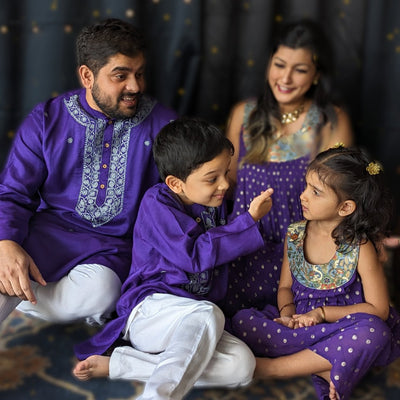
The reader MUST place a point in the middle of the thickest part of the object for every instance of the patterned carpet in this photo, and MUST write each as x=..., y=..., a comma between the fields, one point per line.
x=36, y=359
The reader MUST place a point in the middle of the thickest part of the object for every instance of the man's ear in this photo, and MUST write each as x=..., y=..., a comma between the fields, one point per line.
x=86, y=76
x=346, y=208
x=174, y=183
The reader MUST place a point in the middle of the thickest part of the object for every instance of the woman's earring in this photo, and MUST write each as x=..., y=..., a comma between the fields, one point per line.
x=315, y=81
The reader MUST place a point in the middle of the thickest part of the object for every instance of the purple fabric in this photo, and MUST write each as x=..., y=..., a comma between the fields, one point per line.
x=177, y=249
x=254, y=279
x=352, y=344
x=71, y=187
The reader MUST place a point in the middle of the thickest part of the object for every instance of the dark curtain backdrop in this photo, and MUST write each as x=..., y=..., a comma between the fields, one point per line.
x=205, y=55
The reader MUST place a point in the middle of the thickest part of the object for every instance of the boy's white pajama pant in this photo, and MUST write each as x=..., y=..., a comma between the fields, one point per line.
x=179, y=343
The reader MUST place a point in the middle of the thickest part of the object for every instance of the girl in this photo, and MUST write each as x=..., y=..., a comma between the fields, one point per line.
x=333, y=318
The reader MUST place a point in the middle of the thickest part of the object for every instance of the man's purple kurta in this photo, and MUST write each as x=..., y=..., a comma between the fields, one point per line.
x=71, y=188
x=180, y=250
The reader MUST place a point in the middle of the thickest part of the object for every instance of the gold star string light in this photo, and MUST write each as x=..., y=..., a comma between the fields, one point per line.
x=130, y=13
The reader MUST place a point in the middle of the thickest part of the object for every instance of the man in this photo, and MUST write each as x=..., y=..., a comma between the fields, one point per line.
x=70, y=190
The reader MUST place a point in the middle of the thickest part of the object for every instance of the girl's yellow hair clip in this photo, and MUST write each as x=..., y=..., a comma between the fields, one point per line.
x=374, y=168
x=338, y=145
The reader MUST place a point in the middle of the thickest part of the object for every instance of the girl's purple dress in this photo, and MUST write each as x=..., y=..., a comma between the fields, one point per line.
x=254, y=279
x=352, y=344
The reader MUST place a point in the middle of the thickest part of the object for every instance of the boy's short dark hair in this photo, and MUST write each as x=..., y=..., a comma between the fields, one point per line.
x=96, y=43
x=185, y=144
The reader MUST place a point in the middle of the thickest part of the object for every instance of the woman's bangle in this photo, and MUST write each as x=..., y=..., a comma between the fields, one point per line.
x=323, y=314
x=286, y=305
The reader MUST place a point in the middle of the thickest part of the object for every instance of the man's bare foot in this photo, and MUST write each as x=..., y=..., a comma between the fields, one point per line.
x=333, y=394
x=93, y=367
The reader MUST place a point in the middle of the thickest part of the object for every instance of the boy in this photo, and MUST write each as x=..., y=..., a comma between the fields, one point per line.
x=181, y=246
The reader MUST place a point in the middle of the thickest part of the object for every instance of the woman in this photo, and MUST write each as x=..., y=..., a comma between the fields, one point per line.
x=274, y=139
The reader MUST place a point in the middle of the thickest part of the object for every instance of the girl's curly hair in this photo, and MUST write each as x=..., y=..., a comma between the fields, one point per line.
x=348, y=172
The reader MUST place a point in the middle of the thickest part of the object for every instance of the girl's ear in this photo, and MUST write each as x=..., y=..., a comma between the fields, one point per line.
x=347, y=208
x=174, y=183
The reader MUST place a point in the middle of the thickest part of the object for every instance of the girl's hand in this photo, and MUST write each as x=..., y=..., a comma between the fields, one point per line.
x=289, y=322
x=311, y=318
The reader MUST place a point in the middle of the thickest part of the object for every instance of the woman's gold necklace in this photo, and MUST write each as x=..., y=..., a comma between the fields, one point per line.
x=290, y=117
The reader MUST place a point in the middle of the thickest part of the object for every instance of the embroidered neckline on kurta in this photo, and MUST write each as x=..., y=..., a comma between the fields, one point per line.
x=87, y=207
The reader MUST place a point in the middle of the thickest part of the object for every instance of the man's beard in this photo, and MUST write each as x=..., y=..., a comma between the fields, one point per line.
x=113, y=111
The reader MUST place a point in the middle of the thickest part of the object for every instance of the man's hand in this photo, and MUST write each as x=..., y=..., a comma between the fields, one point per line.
x=261, y=204
x=16, y=268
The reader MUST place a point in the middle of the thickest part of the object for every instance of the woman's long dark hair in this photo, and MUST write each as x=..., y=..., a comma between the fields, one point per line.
x=305, y=34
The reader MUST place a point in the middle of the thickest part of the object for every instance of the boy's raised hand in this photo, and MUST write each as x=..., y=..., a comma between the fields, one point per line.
x=261, y=204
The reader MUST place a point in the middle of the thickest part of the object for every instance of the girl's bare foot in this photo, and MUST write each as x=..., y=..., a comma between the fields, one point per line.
x=333, y=395
x=93, y=367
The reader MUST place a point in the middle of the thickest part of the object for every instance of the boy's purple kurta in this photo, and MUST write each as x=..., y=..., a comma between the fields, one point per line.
x=173, y=252
x=71, y=188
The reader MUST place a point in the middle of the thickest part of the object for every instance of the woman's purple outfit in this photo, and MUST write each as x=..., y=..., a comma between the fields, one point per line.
x=254, y=279
x=352, y=344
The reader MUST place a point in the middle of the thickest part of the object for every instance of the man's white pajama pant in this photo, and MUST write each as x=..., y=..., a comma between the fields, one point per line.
x=179, y=343
x=89, y=292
